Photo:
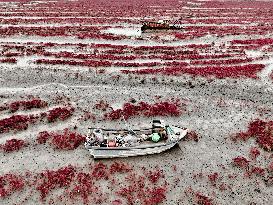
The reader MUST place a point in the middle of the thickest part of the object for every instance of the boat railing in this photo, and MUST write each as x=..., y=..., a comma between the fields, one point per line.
x=127, y=130
x=121, y=130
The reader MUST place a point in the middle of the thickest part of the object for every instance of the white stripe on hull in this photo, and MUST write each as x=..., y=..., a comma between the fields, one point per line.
x=97, y=153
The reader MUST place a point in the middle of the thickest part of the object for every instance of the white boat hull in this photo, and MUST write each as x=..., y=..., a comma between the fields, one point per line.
x=114, y=152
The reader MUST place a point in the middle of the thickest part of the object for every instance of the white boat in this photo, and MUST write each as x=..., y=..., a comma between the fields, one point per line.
x=141, y=142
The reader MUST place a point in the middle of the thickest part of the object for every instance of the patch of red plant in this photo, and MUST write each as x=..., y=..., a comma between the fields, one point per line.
x=257, y=170
x=67, y=140
x=202, y=199
x=100, y=171
x=154, y=176
x=59, y=114
x=84, y=187
x=192, y=135
x=55, y=179
x=260, y=42
x=8, y=60
x=237, y=71
x=119, y=167
x=127, y=193
x=16, y=122
x=142, y=108
x=213, y=178
x=102, y=105
x=266, y=141
x=240, y=136
x=13, y=145
x=254, y=152
x=76, y=183
x=156, y=196
x=43, y=137
x=27, y=105
x=262, y=131
x=138, y=189
x=10, y=183
x=241, y=162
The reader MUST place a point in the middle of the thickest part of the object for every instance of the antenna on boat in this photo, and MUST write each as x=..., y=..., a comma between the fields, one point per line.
x=128, y=127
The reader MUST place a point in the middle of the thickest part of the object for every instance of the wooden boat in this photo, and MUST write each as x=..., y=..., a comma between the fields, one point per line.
x=143, y=145
x=160, y=25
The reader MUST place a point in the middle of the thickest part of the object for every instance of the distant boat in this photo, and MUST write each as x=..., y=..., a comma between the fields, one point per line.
x=126, y=143
x=160, y=25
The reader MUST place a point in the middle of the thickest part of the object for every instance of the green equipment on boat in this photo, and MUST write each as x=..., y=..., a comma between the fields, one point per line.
x=155, y=137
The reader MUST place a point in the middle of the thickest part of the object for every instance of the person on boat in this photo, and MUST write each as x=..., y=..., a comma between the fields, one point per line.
x=111, y=141
x=163, y=133
x=159, y=131
x=98, y=138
